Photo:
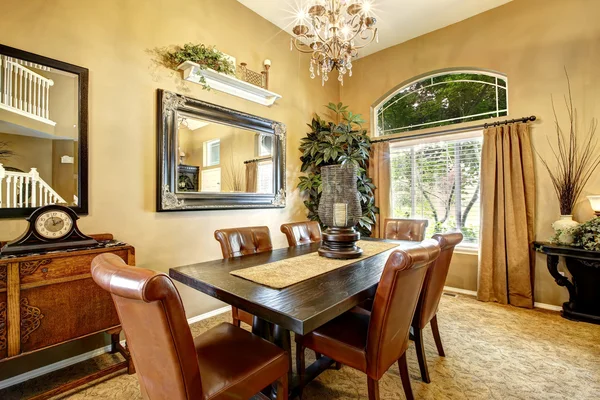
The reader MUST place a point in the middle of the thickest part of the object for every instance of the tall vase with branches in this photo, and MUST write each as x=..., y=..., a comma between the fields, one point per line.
x=573, y=161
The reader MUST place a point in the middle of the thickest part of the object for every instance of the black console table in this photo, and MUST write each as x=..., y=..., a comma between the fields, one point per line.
x=584, y=289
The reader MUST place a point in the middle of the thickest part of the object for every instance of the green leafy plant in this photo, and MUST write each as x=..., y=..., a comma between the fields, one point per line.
x=340, y=141
x=205, y=56
x=587, y=235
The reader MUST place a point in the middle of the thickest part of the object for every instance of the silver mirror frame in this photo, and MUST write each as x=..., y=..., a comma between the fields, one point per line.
x=170, y=105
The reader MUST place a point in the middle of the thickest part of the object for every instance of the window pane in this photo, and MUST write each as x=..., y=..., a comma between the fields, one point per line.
x=265, y=177
x=439, y=182
x=442, y=100
x=502, y=99
x=265, y=145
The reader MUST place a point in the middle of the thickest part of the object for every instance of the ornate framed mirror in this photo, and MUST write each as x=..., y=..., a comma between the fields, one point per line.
x=43, y=133
x=211, y=157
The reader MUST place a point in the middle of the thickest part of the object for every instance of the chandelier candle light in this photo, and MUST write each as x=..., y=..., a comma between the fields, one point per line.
x=333, y=31
x=339, y=209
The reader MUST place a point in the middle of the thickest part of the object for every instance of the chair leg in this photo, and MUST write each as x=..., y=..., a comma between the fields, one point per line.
x=421, y=355
x=403, y=366
x=436, y=336
x=234, y=317
x=318, y=355
x=373, y=388
x=300, y=366
x=282, y=387
x=338, y=365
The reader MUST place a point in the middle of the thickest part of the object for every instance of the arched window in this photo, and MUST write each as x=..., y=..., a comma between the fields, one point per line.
x=437, y=177
x=443, y=98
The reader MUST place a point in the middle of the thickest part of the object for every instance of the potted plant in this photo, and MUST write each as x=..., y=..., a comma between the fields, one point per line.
x=340, y=141
x=573, y=162
x=587, y=235
x=207, y=57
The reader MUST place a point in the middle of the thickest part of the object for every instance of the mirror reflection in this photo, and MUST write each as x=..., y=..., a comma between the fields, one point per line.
x=39, y=135
x=220, y=158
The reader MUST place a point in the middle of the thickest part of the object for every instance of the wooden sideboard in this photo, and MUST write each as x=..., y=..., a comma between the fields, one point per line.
x=49, y=299
x=584, y=267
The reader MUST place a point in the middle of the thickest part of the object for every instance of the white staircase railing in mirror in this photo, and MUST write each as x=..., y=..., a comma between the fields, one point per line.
x=25, y=189
x=24, y=91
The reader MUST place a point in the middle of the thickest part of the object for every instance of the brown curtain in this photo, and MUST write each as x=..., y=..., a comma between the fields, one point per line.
x=507, y=216
x=252, y=177
x=379, y=172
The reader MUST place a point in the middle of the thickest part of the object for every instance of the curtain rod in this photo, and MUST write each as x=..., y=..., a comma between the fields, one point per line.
x=456, y=130
x=258, y=159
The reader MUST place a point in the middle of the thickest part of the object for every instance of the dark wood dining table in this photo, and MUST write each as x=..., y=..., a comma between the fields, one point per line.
x=300, y=308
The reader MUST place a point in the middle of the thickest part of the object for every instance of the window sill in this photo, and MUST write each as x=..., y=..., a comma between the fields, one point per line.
x=471, y=250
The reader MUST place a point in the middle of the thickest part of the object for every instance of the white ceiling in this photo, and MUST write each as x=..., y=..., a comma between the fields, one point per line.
x=397, y=20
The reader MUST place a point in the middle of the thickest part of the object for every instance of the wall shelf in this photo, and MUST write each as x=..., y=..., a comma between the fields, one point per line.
x=228, y=84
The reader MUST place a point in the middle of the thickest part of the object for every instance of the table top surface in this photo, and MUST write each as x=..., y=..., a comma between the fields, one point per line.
x=565, y=251
x=300, y=308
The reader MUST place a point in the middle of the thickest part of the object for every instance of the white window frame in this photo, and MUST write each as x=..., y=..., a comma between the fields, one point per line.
x=431, y=75
x=259, y=147
x=206, y=160
x=462, y=248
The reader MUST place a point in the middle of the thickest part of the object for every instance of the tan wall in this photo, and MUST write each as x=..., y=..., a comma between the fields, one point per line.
x=30, y=152
x=237, y=146
x=63, y=104
x=111, y=38
x=530, y=41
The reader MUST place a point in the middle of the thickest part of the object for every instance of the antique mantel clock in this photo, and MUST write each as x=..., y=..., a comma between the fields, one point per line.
x=52, y=227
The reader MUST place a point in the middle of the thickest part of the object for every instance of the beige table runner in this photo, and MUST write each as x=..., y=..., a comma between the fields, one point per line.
x=284, y=273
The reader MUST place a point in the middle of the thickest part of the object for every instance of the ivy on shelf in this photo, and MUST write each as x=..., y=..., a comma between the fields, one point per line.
x=337, y=142
x=207, y=57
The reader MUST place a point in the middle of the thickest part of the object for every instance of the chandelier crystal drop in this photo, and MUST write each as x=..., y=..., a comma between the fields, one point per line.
x=333, y=31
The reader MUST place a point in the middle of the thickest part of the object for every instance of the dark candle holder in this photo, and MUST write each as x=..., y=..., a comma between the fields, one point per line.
x=340, y=211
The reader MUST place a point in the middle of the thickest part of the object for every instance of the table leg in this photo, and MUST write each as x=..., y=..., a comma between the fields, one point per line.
x=282, y=338
x=561, y=280
x=263, y=329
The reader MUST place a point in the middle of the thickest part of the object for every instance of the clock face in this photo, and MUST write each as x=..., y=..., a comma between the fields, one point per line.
x=53, y=224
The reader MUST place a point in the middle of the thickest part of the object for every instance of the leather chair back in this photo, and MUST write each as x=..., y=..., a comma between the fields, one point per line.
x=302, y=232
x=395, y=304
x=406, y=229
x=237, y=242
x=436, y=278
x=158, y=336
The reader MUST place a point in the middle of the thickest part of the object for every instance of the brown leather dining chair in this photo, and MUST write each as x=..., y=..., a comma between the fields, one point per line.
x=405, y=229
x=226, y=362
x=430, y=298
x=372, y=342
x=237, y=242
x=302, y=232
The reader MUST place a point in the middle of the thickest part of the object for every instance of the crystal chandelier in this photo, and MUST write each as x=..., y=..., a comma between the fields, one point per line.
x=333, y=31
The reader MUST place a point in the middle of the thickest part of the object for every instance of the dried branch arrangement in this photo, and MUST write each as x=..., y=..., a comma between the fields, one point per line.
x=576, y=159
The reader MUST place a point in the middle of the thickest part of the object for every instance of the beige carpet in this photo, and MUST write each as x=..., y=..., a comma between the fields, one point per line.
x=492, y=352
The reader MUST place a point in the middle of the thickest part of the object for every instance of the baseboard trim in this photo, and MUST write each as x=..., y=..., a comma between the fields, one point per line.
x=15, y=380
x=460, y=291
x=543, y=306
x=209, y=314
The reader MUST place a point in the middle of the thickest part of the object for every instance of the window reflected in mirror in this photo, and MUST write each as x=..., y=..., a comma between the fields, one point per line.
x=219, y=158
x=39, y=135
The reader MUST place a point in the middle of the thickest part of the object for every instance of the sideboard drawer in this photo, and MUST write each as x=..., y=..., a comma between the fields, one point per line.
x=50, y=269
